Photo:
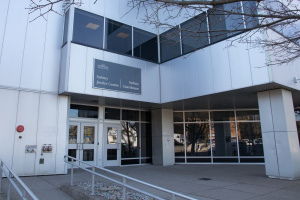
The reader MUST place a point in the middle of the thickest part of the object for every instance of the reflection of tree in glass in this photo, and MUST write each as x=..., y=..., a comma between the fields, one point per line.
x=197, y=134
x=129, y=138
x=72, y=134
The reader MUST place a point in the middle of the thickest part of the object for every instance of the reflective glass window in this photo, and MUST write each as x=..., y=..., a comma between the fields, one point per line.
x=83, y=111
x=250, y=139
x=131, y=115
x=178, y=117
x=145, y=116
x=89, y=135
x=233, y=22
x=197, y=139
x=88, y=29
x=145, y=45
x=222, y=116
x=88, y=155
x=112, y=113
x=65, y=38
x=130, y=140
x=169, y=45
x=298, y=130
x=250, y=8
x=146, y=140
x=247, y=115
x=178, y=140
x=118, y=37
x=196, y=116
x=194, y=34
x=224, y=142
x=112, y=154
x=112, y=135
x=73, y=134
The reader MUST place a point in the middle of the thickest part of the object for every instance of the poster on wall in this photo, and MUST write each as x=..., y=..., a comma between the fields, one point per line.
x=112, y=76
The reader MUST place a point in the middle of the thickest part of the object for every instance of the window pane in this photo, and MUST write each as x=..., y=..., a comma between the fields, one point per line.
x=112, y=154
x=197, y=139
x=224, y=139
x=250, y=139
x=89, y=135
x=194, y=33
x=178, y=116
x=146, y=116
x=66, y=27
x=73, y=134
x=217, y=24
x=72, y=153
x=83, y=111
x=146, y=140
x=298, y=129
x=88, y=155
x=222, y=116
x=247, y=115
x=130, y=140
x=169, y=45
x=178, y=140
x=145, y=45
x=112, y=113
x=250, y=8
x=196, y=116
x=234, y=22
x=118, y=37
x=88, y=29
x=132, y=115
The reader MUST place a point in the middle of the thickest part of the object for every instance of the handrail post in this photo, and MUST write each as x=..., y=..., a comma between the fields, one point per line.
x=124, y=188
x=72, y=171
x=1, y=166
x=93, y=182
x=8, y=189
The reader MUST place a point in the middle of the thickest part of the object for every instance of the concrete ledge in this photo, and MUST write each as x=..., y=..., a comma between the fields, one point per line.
x=78, y=193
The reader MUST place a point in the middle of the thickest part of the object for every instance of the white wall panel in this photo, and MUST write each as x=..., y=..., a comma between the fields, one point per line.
x=62, y=134
x=204, y=71
x=28, y=112
x=33, y=54
x=13, y=45
x=91, y=55
x=8, y=107
x=190, y=76
x=3, y=16
x=151, y=91
x=239, y=66
x=284, y=74
x=47, y=133
x=52, y=53
x=177, y=79
x=77, y=68
x=64, y=70
x=97, y=7
x=112, y=9
x=221, y=68
x=165, y=84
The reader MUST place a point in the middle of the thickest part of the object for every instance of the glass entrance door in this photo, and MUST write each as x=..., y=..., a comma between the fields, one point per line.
x=82, y=141
x=112, y=140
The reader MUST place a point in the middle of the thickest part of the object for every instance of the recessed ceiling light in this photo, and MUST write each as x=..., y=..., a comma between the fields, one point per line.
x=122, y=35
x=92, y=26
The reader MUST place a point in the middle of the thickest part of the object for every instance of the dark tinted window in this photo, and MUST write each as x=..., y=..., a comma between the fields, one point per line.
x=88, y=29
x=112, y=113
x=66, y=27
x=234, y=22
x=83, y=111
x=131, y=115
x=196, y=116
x=217, y=25
x=177, y=117
x=145, y=45
x=146, y=116
x=118, y=37
x=250, y=8
x=194, y=33
x=222, y=116
x=247, y=115
x=169, y=45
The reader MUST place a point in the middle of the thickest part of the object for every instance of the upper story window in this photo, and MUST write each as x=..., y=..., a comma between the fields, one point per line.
x=88, y=29
x=169, y=45
x=145, y=45
x=83, y=111
x=118, y=37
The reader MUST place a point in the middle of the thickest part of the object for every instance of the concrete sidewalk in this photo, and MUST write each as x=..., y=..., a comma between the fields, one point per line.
x=198, y=181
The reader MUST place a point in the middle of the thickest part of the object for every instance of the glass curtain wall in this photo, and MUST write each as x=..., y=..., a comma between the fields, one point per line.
x=136, y=136
x=218, y=136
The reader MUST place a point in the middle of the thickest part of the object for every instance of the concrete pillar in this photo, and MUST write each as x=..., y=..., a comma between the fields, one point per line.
x=279, y=132
x=162, y=137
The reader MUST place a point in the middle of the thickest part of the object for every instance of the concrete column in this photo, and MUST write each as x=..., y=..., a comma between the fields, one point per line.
x=162, y=137
x=279, y=132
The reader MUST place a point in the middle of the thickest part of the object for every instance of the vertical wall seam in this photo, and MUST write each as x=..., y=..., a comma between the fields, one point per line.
x=16, y=122
x=44, y=50
x=249, y=60
x=8, y=6
x=57, y=134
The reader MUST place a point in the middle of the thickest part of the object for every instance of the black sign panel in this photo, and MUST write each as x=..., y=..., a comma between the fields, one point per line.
x=116, y=77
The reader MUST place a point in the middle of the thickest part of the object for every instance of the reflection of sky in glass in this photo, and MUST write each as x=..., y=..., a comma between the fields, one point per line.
x=73, y=113
x=297, y=115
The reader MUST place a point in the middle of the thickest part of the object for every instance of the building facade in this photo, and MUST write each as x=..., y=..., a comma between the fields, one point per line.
x=100, y=86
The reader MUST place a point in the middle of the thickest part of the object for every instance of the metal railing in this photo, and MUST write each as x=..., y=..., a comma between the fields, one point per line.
x=10, y=175
x=123, y=183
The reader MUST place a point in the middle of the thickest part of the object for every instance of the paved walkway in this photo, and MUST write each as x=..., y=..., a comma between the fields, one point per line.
x=198, y=181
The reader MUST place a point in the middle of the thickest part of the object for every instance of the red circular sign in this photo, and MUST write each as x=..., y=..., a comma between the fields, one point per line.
x=20, y=128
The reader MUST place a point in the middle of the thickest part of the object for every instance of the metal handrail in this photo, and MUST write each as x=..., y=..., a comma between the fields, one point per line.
x=123, y=184
x=10, y=175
